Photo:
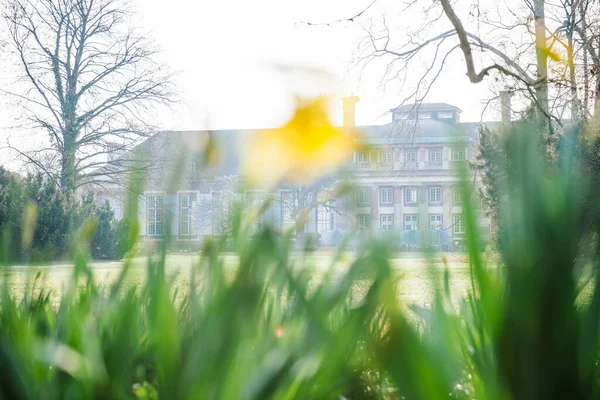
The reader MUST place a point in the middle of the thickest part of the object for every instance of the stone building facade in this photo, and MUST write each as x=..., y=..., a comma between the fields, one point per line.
x=406, y=184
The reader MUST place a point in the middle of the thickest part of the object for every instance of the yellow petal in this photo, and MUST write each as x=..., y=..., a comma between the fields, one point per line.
x=305, y=148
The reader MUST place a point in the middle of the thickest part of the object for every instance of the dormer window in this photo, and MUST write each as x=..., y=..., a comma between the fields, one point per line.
x=422, y=111
x=397, y=116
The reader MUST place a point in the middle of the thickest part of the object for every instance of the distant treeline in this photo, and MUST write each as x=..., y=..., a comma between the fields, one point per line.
x=56, y=217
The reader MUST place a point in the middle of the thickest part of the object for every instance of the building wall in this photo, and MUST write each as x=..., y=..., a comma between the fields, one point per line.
x=375, y=177
x=374, y=174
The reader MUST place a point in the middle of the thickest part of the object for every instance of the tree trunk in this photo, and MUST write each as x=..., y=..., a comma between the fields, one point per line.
x=541, y=51
x=597, y=96
x=586, y=84
x=67, y=172
x=575, y=112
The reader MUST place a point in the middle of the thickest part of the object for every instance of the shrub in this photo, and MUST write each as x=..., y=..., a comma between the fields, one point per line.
x=58, y=217
x=11, y=213
x=104, y=243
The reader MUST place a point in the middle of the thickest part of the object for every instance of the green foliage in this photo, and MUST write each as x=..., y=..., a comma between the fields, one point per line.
x=55, y=217
x=272, y=328
x=11, y=212
x=58, y=217
x=103, y=243
x=490, y=164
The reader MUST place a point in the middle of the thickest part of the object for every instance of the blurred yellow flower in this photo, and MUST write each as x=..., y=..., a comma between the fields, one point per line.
x=305, y=148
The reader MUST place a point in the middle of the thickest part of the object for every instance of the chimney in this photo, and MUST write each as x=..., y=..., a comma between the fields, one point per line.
x=349, y=111
x=505, y=96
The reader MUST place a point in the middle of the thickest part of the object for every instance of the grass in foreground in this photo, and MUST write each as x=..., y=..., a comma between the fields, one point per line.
x=269, y=329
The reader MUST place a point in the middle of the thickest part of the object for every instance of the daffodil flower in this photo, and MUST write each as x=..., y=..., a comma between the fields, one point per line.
x=304, y=149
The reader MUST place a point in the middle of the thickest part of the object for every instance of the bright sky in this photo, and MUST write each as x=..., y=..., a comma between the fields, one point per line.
x=227, y=53
x=233, y=60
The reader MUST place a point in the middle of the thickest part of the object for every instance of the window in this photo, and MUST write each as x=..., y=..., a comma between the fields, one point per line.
x=193, y=166
x=435, y=194
x=410, y=195
x=363, y=196
x=288, y=205
x=410, y=156
x=155, y=214
x=386, y=195
x=401, y=116
x=445, y=114
x=324, y=218
x=363, y=221
x=187, y=213
x=459, y=155
x=435, y=156
x=435, y=221
x=386, y=222
x=216, y=212
x=255, y=201
x=361, y=157
x=386, y=157
x=424, y=115
x=456, y=195
x=458, y=224
x=411, y=222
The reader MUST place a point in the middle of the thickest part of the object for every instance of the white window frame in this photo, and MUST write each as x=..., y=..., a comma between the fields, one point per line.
x=155, y=226
x=362, y=193
x=386, y=222
x=411, y=156
x=324, y=212
x=433, y=159
x=411, y=195
x=363, y=222
x=457, y=195
x=435, y=221
x=386, y=195
x=190, y=209
x=458, y=224
x=360, y=157
x=435, y=195
x=459, y=154
x=411, y=222
x=386, y=157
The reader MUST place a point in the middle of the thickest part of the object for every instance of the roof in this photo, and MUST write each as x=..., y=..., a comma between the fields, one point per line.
x=426, y=107
x=230, y=144
x=419, y=131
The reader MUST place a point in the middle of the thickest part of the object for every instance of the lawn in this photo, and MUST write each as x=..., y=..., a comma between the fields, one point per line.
x=416, y=279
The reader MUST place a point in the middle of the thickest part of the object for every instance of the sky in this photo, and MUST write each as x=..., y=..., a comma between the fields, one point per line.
x=229, y=56
x=239, y=64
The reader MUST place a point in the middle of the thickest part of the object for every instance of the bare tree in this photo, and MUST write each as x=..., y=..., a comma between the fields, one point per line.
x=298, y=201
x=91, y=81
x=537, y=49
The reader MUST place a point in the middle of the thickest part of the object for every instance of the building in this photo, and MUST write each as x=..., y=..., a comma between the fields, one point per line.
x=406, y=183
